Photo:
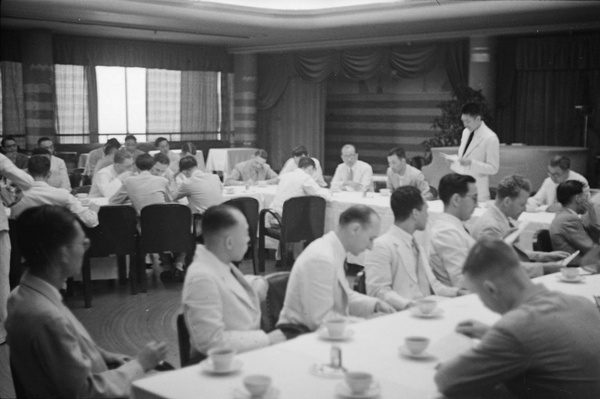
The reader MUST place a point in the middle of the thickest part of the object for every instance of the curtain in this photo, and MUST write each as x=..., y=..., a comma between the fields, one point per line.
x=457, y=64
x=360, y=64
x=72, y=117
x=274, y=72
x=13, y=109
x=315, y=67
x=412, y=61
x=163, y=102
x=92, y=90
x=199, y=105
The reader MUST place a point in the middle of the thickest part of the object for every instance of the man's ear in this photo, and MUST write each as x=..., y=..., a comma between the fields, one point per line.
x=454, y=199
x=490, y=288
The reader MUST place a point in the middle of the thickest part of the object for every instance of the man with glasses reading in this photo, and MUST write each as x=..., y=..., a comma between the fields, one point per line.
x=352, y=174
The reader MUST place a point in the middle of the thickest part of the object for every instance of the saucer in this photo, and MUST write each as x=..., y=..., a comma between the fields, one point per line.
x=241, y=393
x=208, y=367
x=343, y=390
x=421, y=356
x=326, y=371
x=437, y=312
x=324, y=334
x=579, y=279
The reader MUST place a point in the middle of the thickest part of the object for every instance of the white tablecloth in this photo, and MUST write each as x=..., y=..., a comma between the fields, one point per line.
x=373, y=348
x=225, y=159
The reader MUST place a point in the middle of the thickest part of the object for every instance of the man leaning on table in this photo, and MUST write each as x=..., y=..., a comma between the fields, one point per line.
x=253, y=170
x=352, y=174
x=222, y=306
x=397, y=268
x=109, y=179
x=450, y=241
x=479, y=152
x=292, y=164
x=546, y=345
x=401, y=174
x=318, y=289
x=500, y=218
x=202, y=189
x=559, y=171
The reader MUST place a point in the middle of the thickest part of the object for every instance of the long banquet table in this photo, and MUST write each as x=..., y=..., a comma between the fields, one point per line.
x=374, y=348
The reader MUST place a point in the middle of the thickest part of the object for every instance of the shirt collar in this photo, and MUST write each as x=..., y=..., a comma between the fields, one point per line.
x=43, y=287
x=336, y=245
x=451, y=219
x=401, y=235
x=208, y=257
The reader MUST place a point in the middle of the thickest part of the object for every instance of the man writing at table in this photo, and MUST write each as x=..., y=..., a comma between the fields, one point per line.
x=352, y=174
x=397, y=268
x=203, y=190
x=293, y=163
x=253, y=170
x=497, y=223
x=546, y=345
x=318, y=289
x=222, y=306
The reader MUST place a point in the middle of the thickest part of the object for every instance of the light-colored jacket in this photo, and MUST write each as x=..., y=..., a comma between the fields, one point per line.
x=142, y=190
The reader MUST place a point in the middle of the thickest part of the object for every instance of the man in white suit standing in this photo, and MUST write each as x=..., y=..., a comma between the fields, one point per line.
x=221, y=306
x=479, y=152
x=318, y=289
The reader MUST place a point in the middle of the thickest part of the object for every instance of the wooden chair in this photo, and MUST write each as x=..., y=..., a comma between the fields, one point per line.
x=360, y=283
x=542, y=241
x=183, y=338
x=249, y=207
x=116, y=234
x=274, y=302
x=303, y=220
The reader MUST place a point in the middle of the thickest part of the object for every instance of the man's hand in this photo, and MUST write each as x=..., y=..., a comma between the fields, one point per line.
x=276, y=336
x=472, y=328
x=552, y=267
x=114, y=360
x=554, y=256
x=383, y=307
x=464, y=162
x=353, y=185
x=152, y=354
x=462, y=291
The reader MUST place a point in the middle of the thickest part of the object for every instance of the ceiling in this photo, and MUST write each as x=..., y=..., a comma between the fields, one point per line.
x=243, y=28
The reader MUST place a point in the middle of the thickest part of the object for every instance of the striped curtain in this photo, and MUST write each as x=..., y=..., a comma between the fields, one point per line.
x=72, y=116
x=163, y=102
x=199, y=105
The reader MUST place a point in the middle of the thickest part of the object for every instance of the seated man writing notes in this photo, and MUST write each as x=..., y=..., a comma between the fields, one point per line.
x=318, y=290
x=253, y=170
x=401, y=174
x=292, y=164
x=222, y=306
x=109, y=179
x=500, y=218
x=397, y=268
x=546, y=345
x=51, y=352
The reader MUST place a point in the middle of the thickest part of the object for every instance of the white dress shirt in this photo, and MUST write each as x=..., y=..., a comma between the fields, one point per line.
x=297, y=183
x=41, y=193
x=449, y=246
x=203, y=190
x=142, y=190
x=362, y=173
x=59, y=177
x=397, y=273
x=546, y=195
x=412, y=177
x=318, y=289
x=221, y=306
x=107, y=182
x=290, y=165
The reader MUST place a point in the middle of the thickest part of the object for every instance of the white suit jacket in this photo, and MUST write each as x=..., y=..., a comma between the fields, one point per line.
x=143, y=189
x=296, y=184
x=362, y=173
x=318, y=289
x=221, y=309
x=484, y=153
x=59, y=176
x=391, y=272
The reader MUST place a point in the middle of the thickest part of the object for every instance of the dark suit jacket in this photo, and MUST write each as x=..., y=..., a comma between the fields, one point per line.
x=569, y=233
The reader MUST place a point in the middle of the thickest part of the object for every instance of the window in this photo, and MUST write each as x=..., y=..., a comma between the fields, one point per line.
x=72, y=111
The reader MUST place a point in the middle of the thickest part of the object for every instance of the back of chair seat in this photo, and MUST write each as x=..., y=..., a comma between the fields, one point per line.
x=303, y=219
x=249, y=207
x=542, y=241
x=275, y=297
x=116, y=232
x=166, y=227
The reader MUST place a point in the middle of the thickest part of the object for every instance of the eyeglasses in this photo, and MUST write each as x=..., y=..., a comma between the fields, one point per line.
x=349, y=156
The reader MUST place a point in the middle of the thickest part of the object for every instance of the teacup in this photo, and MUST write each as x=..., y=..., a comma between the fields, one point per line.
x=358, y=381
x=336, y=327
x=426, y=305
x=385, y=192
x=416, y=345
x=257, y=384
x=570, y=273
x=221, y=358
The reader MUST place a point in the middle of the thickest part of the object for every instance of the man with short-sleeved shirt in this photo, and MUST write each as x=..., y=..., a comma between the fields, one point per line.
x=131, y=146
x=401, y=174
x=253, y=170
x=352, y=174
x=59, y=177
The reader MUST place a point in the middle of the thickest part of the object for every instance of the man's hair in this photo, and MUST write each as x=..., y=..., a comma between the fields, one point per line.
x=38, y=165
x=40, y=151
x=144, y=162
x=357, y=213
x=305, y=162
x=6, y=138
x=404, y=199
x=42, y=139
x=114, y=143
x=511, y=186
x=471, y=109
x=300, y=151
x=189, y=148
x=187, y=162
x=121, y=156
x=453, y=183
x=107, y=150
x=161, y=158
x=567, y=190
x=348, y=146
x=561, y=161
x=130, y=137
x=397, y=151
x=218, y=218
x=41, y=231
x=490, y=257
x=160, y=140
x=261, y=153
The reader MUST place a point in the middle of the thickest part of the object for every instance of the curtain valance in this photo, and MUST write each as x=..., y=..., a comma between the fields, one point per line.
x=77, y=50
x=558, y=53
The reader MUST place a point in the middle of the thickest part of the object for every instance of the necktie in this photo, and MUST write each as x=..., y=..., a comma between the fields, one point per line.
x=350, y=174
x=424, y=286
x=468, y=142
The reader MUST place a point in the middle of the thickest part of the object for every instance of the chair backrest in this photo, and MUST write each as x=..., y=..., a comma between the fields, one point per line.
x=249, y=207
x=360, y=283
x=303, y=219
x=434, y=192
x=183, y=337
x=542, y=241
x=166, y=227
x=277, y=283
x=116, y=232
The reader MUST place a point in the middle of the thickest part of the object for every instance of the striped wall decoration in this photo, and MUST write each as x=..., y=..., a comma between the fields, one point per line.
x=244, y=100
x=375, y=123
x=38, y=98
